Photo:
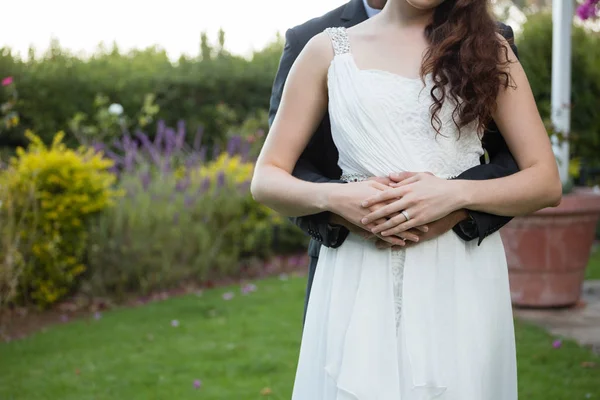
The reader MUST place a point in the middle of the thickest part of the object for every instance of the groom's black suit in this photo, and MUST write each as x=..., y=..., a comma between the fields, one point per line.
x=318, y=162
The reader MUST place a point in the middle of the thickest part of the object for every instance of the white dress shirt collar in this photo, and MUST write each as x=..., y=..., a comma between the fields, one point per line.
x=370, y=10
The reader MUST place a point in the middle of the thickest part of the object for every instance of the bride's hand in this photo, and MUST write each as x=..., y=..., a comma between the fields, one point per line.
x=423, y=197
x=346, y=201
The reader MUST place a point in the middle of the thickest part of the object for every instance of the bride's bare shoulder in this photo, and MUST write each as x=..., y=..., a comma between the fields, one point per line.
x=320, y=46
x=318, y=52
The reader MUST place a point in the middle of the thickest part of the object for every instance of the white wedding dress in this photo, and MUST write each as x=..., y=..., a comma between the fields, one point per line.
x=430, y=322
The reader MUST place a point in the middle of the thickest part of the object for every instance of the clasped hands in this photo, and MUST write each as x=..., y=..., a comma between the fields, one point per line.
x=377, y=208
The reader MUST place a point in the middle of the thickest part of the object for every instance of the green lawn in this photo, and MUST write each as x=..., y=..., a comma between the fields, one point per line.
x=236, y=347
x=593, y=270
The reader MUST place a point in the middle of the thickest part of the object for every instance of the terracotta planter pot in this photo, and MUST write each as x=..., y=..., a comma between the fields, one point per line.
x=548, y=251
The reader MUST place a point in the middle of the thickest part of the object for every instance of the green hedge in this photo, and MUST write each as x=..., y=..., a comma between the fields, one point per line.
x=54, y=87
x=535, y=52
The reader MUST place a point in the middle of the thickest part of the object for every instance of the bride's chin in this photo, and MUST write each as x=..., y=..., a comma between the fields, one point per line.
x=424, y=4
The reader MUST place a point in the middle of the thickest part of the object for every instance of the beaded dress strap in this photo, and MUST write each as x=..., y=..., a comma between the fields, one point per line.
x=339, y=39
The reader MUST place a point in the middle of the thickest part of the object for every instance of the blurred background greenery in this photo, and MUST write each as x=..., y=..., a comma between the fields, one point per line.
x=177, y=195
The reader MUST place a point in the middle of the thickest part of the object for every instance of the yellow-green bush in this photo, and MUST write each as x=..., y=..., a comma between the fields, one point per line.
x=12, y=222
x=259, y=221
x=69, y=187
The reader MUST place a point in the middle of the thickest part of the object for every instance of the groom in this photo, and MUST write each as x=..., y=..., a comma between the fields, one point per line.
x=318, y=163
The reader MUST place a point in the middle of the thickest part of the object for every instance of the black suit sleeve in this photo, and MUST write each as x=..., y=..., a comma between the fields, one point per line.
x=307, y=167
x=501, y=164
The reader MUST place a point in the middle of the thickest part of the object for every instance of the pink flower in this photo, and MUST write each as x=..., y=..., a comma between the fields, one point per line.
x=557, y=344
x=7, y=81
x=587, y=10
x=248, y=288
x=197, y=384
x=295, y=261
x=227, y=296
x=174, y=323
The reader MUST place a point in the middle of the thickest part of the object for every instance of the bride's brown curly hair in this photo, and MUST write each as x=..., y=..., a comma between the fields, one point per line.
x=467, y=60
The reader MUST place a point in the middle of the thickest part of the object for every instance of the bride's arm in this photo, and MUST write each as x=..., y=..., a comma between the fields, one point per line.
x=303, y=105
x=536, y=186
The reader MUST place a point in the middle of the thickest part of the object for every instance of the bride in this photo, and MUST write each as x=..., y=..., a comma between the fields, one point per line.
x=410, y=89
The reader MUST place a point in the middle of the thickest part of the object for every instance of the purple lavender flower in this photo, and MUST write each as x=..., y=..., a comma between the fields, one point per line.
x=197, y=384
x=245, y=150
x=198, y=139
x=97, y=315
x=221, y=179
x=117, y=144
x=166, y=165
x=244, y=186
x=233, y=145
x=160, y=133
x=174, y=323
x=113, y=156
x=557, y=344
x=126, y=142
x=148, y=147
x=188, y=201
x=205, y=186
x=130, y=147
x=128, y=161
x=170, y=141
x=180, y=136
x=145, y=179
x=216, y=151
x=182, y=184
x=98, y=147
x=202, y=154
x=191, y=161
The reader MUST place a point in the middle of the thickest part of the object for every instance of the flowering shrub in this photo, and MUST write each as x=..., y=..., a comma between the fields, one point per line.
x=182, y=218
x=162, y=232
x=8, y=113
x=258, y=221
x=69, y=187
x=588, y=9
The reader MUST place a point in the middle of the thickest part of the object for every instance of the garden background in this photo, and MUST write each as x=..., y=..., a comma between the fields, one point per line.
x=131, y=185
